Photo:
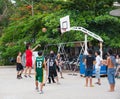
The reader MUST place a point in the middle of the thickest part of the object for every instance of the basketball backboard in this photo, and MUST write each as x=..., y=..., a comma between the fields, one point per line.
x=65, y=24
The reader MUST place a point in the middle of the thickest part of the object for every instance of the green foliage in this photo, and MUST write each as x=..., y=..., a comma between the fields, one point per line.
x=108, y=28
x=23, y=27
x=118, y=1
x=98, y=6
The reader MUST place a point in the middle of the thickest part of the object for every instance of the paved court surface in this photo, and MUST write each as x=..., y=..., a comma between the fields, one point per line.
x=72, y=87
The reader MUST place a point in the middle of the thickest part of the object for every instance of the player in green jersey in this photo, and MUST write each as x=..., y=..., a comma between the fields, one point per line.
x=39, y=65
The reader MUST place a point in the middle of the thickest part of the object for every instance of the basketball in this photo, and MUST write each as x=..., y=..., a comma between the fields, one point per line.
x=44, y=29
x=29, y=7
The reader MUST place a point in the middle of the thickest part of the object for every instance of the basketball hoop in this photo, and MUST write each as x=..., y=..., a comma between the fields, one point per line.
x=65, y=24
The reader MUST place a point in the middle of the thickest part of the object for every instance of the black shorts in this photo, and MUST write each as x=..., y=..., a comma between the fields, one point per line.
x=58, y=69
x=88, y=72
x=52, y=72
x=19, y=67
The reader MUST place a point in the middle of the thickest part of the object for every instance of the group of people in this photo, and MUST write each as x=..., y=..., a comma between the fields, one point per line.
x=90, y=61
x=110, y=62
x=52, y=66
x=28, y=62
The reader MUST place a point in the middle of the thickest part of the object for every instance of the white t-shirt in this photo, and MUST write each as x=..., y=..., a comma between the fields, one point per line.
x=118, y=61
x=98, y=62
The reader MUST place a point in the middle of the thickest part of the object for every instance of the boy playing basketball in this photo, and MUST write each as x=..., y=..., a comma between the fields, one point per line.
x=19, y=66
x=38, y=66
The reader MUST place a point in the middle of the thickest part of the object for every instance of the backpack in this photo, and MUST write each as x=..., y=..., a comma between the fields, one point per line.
x=113, y=60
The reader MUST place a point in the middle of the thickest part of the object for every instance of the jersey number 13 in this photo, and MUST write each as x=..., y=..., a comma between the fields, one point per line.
x=39, y=64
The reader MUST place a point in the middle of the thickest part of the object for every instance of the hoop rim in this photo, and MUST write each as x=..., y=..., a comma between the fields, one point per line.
x=63, y=30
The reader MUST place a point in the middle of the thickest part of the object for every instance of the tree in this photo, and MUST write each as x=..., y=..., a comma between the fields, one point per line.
x=97, y=6
x=108, y=28
x=6, y=10
x=22, y=27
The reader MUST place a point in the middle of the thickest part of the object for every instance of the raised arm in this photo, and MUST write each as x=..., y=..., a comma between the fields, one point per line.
x=36, y=47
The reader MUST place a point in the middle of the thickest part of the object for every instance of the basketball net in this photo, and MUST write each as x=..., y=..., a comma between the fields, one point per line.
x=63, y=30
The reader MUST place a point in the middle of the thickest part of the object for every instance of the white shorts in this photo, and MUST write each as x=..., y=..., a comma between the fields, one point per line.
x=97, y=72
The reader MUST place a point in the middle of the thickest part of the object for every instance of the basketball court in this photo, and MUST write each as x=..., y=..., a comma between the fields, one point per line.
x=72, y=87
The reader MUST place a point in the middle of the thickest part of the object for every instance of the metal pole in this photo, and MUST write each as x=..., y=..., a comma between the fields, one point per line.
x=85, y=52
x=101, y=46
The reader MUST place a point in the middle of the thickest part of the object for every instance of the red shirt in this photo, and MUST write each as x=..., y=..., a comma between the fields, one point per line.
x=28, y=58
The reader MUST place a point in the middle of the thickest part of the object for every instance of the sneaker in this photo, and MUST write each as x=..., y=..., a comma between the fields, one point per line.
x=21, y=77
x=25, y=76
x=62, y=77
x=54, y=82
x=48, y=82
x=18, y=77
x=41, y=92
x=30, y=76
x=37, y=89
x=98, y=83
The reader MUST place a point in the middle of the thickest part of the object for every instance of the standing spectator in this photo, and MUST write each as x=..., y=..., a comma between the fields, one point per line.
x=117, y=66
x=28, y=56
x=51, y=63
x=89, y=60
x=111, y=70
x=19, y=66
x=98, y=66
x=117, y=60
x=59, y=66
